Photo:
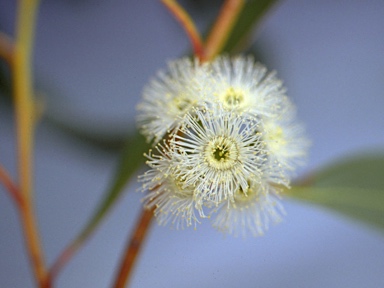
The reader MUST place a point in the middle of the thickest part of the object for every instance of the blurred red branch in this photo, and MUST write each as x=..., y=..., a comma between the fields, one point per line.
x=186, y=22
x=133, y=248
x=222, y=28
x=11, y=187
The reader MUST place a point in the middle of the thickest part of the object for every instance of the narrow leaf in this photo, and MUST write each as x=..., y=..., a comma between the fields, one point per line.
x=5, y=83
x=108, y=141
x=354, y=187
x=131, y=159
x=366, y=171
x=251, y=15
x=361, y=204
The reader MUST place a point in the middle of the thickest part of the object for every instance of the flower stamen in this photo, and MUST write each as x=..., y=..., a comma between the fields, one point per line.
x=233, y=98
x=221, y=153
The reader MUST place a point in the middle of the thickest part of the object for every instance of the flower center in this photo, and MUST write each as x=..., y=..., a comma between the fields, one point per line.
x=275, y=138
x=178, y=189
x=221, y=153
x=233, y=97
x=182, y=103
x=242, y=196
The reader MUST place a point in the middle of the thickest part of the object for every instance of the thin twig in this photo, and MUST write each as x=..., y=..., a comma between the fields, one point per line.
x=61, y=261
x=11, y=187
x=24, y=112
x=186, y=22
x=133, y=248
x=222, y=28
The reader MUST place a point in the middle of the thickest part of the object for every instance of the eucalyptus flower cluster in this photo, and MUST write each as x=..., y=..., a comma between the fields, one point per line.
x=225, y=139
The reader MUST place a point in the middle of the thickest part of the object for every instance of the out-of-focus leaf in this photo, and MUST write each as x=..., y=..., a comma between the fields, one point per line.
x=354, y=187
x=365, y=172
x=251, y=15
x=362, y=204
x=5, y=82
x=130, y=160
x=101, y=139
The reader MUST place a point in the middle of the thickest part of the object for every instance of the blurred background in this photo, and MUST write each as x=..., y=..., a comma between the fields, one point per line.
x=92, y=59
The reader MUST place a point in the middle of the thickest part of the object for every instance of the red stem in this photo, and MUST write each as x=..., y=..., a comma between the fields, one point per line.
x=61, y=261
x=186, y=22
x=222, y=28
x=11, y=187
x=133, y=248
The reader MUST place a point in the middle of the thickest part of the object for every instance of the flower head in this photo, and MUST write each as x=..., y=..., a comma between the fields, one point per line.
x=286, y=144
x=242, y=85
x=250, y=212
x=231, y=139
x=218, y=151
x=169, y=96
x=173, y=201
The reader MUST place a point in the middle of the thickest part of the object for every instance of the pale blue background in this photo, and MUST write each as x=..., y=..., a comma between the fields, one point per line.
x=92, y=59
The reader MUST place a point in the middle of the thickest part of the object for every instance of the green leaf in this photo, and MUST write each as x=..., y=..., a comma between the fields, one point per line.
x=111, y=141
x=354, y=187
x=251, y=15
x=131, y=159
x=364, y=171
x=5, y=82
x=362, y=204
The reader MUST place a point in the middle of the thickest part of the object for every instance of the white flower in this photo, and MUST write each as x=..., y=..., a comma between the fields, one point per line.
x=169, y=96
x=218, y=151
x=245, y=86
x=232, y=141
x=174, y=201
x=286, y=144
x=250, y=212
